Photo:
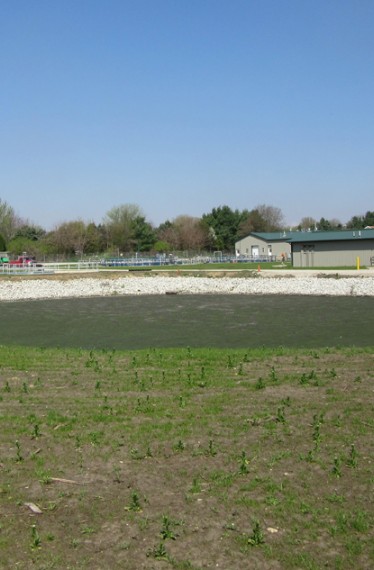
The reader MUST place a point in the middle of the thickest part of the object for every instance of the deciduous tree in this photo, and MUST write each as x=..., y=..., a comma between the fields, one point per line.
x=119, y=222
x=307, y=223
x=193, y=233
x=9, y=221
x=184, y=233
x=70, y=238
x=21, y=244
x=167, y=233
x=252, y=222
x=272, y=216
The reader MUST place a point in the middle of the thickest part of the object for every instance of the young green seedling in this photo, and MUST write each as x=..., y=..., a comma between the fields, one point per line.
x=179, y=446
x=336, y=469
x=35, y=538
x=280, y=415
x=36, y=432
x=257, y=536
x=19, y=456
x=159, y=552
x=273, y=375
x=211, y=449
x=352, y=458
x=260, y=384
x=135, y=503
x=244, y=462
x=166, y=531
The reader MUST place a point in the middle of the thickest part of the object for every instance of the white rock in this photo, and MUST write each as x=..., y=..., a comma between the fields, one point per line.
x=156, y=285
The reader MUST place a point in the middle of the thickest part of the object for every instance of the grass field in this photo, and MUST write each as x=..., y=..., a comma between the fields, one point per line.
x=186, y=458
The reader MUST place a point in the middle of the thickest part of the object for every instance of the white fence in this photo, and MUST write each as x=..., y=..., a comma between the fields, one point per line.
x=72, y=266
x=42, y=268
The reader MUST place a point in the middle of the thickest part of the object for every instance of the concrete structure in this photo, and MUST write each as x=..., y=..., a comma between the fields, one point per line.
x=332, y=249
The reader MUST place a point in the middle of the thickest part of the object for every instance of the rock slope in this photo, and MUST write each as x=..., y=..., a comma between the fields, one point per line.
x=158, y=285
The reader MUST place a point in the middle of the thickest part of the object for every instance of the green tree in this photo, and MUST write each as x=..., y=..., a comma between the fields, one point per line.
x=28, y=238
x=329, y=225
x=252, y=222
x=119, y=223
x=143, y=235
x=355, y=223
x=20, y=244
x=224, y=224
x=9, y=222
x=360, y=222
x=369, y=219
x=161, y=246
x=30, y=232
x=95, y=239
x=70, y=238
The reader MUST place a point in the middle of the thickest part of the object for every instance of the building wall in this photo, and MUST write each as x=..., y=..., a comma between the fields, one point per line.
x=332, y=254
x=249, y=245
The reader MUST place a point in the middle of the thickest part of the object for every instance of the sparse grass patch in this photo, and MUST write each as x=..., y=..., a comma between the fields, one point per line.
x=180, y=457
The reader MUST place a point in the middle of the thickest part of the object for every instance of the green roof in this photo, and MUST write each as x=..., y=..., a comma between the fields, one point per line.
x=315, y=235
x=275, y=236
x=338, y=235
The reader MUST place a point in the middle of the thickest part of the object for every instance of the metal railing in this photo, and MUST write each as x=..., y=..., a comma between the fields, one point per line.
x=42, y=268
x=112, y=263
x=72, y=266
x=21, y=268
x=171, y=260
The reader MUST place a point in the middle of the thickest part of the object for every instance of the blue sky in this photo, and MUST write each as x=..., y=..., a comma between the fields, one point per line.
x=180, y=106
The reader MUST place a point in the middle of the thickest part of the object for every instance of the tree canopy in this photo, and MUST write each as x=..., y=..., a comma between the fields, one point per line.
x=8, y=221
x=224, y=223
x=360, y=222
x=120, y=224
x=125, y=229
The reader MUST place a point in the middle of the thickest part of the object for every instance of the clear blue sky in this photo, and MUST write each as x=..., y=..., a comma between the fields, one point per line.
x=180, y=106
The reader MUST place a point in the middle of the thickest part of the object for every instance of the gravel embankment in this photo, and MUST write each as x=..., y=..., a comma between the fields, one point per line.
x=156, y=285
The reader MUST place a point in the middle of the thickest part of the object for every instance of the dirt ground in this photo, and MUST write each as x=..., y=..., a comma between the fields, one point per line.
x=186, y=459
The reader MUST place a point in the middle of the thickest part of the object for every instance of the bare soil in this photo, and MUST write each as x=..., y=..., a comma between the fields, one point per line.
x=172, y=459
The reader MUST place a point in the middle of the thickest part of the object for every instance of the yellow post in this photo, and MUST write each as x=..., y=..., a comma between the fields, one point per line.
x=358, y=263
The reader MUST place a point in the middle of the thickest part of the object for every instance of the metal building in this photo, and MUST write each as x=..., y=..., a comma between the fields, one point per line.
x=265, y=246
x=341, y=248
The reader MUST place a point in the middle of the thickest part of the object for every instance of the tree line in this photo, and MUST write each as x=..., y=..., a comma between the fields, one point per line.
x=125, y=230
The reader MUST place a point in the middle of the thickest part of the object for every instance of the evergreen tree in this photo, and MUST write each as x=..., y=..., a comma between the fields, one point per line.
x=224, y=223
